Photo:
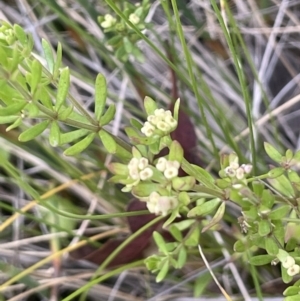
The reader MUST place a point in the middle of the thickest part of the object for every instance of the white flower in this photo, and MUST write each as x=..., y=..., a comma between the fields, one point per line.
x=146, y=174
x=171, y=121
x=134, y=19
x=133, y=163
x=175, y=164
x=148, y=129
x=293, y=270
x=161, y=204
x=230, y=172
x=171, y=172
x=161, y=164
x=288, y=262
x=247, y=168
x=234, y=165
x=143, y=163
x=134, y=174
x=160, y=119
x=240, y=173
x=159, y=112
x=109, y=21
x=163, y=126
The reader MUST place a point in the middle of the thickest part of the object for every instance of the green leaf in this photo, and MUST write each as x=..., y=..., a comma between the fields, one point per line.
x=292, y=298
x=8, y=119
x=100, y=96
x=289, y=155
x=34, y=131
x=65, y=112
x=183, y=183
x=276, y=172
x=176, y=233
x=283, y=185
x=176, y=109
x=280, y=212
x=239, y=246
x=267, y=198
x=72, y=136
x=271, y=246
x=144, y=189
x=286, y=278
x=204, y=209
x=57, y=61
x=15, y=124
x=108, y=141
x=272, y=152
x=163, y=272
x=20, y=34
x=182, y=256
x=261, y=259
x=127, y=45
x=160, y=242
x=63, y=88
x=48, y=55
x=150, y=105
x=108, y=116
x=202, y=176
x=80, y=146
x=192, y=239
x=54, y=136
x=293, y=176
x=36, y=74
x=291, y=291
x=264, y=227
x=136, y=138
x=13, y=109
x=176, y=152
x=172, y=217
x=217, y=217
x=258, y=188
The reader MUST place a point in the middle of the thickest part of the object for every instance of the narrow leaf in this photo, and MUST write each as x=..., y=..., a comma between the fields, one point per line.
x=48, y=55
x=63, y=88
x=36, y=74
x=261, y=259
x=72, y=136
x=272, y=152
x=57, y=61
x=108, y=116
x=204, y=209
x=108, y=141
x=54, y=136
x=100, y=96
x=163, y=272
x=217, y=217
x=34, y=131
x=12, y=109
x=150, y=105
x=160, y=242
x=80, y=146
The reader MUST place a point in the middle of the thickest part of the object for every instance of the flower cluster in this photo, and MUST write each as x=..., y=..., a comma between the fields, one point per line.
x=109, y=21
x=158, y=204
x=138, y=169
x=161, y=122
x=234, y=170
x=169, y=168
x=291, y=266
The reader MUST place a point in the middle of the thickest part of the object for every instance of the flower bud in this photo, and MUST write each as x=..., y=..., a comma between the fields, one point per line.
x=145, y=174
x=293, y=270
x=161, y=164
x=288, y=262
